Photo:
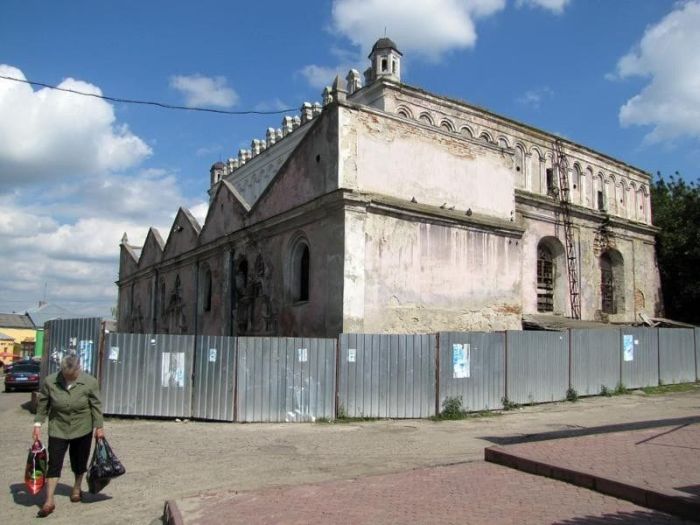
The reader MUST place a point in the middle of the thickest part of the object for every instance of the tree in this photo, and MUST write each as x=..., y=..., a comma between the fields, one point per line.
x=676, y=206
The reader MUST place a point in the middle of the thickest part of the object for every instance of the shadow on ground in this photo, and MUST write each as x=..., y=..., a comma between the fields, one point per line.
x=578, y=432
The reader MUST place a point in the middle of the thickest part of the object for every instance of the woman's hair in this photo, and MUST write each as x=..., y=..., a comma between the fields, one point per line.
x=70, y=364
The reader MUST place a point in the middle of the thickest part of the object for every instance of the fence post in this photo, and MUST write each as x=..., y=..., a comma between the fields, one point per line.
x=437, y=373
x=658, y=355
x=236, y=367
x=337, y=376
x=505, y=364
x=570, y=358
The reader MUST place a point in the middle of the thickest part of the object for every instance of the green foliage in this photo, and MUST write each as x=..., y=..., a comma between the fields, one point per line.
x=620, y=389
x=605, y=391
x=676, y=209
x=508, y=404
x=670, y=389
x=342, y=414
x=452, y=408
x=571, y=395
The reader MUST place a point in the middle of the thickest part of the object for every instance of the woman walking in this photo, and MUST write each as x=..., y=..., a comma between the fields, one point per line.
x=71, y=400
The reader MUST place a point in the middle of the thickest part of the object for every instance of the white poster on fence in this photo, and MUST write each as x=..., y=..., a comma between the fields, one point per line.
x=461, y=357
x=173, y=369
x=85, y=355
x=628, y=347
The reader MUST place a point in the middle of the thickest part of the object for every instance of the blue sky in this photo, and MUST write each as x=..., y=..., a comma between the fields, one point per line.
x=622, y=77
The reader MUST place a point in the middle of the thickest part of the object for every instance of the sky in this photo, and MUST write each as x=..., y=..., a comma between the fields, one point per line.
x=76, y=172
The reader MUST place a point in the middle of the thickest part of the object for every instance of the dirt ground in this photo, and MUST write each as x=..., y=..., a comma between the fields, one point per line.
x=166, y=459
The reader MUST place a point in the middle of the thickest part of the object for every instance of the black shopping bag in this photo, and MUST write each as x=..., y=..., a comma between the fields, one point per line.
x=104, y=466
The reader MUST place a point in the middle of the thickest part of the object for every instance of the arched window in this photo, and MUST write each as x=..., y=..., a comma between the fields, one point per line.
x=163, y=306
x=425, y=118
x=545, y=279
x=447, y=125
x=465, y=130
x=611, y=282
x=301, y=271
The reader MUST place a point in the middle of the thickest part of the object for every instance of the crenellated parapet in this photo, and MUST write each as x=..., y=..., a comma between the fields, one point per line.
x=307, y=112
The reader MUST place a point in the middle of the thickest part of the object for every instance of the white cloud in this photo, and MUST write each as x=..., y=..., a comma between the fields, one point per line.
x=428, y=28
x=533, y=98
x=556, y=6
x=204, y=91
x=48, y=133
x=667, y=55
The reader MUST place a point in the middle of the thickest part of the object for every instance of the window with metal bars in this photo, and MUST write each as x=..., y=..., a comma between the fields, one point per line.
x=607, y=285
x=545, y=280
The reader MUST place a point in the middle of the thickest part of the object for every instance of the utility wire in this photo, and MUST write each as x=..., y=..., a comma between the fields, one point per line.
x=148, y=102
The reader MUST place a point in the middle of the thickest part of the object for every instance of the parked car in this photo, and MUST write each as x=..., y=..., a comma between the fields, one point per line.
x=22, y=375
x=25, y=361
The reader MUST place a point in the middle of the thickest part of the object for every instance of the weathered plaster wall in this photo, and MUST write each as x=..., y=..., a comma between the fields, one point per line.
x=385, y=155
x=639, y=289
x=423, y=277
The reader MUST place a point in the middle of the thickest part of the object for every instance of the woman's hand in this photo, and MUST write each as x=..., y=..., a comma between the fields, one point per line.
x=36, y=434
x=99, y=433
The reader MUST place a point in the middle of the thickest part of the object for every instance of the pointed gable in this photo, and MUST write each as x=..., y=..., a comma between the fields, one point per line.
x=309, y=172
x=128, y=258
x=152, y=251
x=227, y=213
x=184, y=234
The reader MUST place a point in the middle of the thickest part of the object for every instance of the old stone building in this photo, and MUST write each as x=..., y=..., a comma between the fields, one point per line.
x=391, y=209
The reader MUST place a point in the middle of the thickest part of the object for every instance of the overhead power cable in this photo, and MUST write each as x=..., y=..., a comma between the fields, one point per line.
x=149, y=102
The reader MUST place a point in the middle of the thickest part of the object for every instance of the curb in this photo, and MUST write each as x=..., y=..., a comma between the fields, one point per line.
x=653, y=499
x=171, y=514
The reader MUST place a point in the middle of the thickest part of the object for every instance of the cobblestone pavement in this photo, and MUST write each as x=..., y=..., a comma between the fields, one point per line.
x=664, y=459
x=470, y=493
x=657, y=467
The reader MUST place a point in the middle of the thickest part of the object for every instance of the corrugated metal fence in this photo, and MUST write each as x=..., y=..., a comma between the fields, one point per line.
x=148, y=375
x=79, y=336
x=676, y=355
x=386, y=375
x=537, y=366
x=214, y=378
x=364, y=375
x=285, y=379
x=595, y=360
x=473, y=367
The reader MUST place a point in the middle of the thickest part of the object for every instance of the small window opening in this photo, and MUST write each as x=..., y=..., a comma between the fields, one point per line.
x=385, y=66
x=318, y=158
x=545, y=280
x=242, y=276
x=550, y=182
x=601, y=200
x=393, y=66
x=517, y=168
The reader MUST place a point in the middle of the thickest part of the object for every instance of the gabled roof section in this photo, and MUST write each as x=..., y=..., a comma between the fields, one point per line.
x=49, y=312
x=152, y=251
x=15, y=321
x=309, y=172
x=227, y=213
x=184, y=234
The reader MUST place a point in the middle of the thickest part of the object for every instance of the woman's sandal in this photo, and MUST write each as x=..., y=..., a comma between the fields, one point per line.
x=77, y=498
x=45, y=511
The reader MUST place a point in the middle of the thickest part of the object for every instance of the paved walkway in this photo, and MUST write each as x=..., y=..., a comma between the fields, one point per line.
x=470, y=493
x=658, y=467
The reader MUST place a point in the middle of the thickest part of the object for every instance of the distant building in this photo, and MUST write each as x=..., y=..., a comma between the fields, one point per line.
x=391, y=209
x=19, y=337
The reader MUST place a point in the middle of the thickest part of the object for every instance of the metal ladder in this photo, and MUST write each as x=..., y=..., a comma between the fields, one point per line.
x=562, y=165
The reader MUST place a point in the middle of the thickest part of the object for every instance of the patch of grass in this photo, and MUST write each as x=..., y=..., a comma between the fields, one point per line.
x=571, y=395
x=508, y=404
x=620, y=389
x=670, y=389
x=605, y=391
x=452, y=409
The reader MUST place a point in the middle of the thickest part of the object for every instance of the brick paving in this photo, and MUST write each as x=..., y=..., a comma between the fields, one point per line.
x=470, y=493
x=664, y=459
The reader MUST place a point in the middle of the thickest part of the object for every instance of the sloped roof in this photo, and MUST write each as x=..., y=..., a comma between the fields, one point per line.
x=5, y=337
x=15, y=321
x=49, y=312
